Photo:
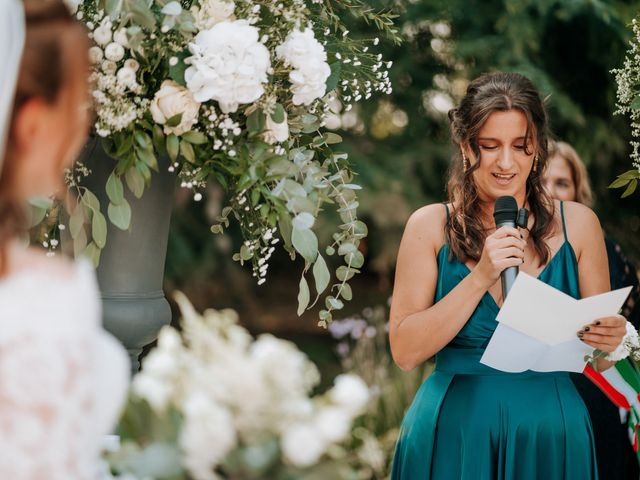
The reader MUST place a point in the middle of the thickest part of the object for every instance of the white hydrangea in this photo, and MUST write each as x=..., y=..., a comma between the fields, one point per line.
x=211, y=12
x=302, y=446
x=229, y=64
x=207, y=436
x=275, y=132
x=114, y=52
x=307, y=57
x=103, y=34
x=351, y=392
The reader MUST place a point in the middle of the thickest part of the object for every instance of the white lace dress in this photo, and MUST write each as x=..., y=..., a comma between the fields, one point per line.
x=63, y=379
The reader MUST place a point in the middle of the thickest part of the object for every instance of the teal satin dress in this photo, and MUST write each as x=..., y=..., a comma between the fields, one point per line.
x=469, y=421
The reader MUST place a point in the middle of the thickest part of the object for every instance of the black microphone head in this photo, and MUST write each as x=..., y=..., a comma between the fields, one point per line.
x=505, y=210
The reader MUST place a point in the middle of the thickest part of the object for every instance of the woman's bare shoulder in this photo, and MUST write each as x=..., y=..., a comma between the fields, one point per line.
x=425, y=226
x=35, y=260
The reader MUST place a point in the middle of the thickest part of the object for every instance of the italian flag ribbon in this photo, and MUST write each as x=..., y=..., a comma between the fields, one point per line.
x=621, y=384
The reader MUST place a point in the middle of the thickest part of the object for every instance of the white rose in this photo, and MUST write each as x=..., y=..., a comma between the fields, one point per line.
x=96, y=55
x=103, y=35
x=114, y=52
x=109, y=67
x=126, y=77
x=276, y=132
x=333, y=423
x=350, y=392
x=120, y=37
x=228, y=65
x=211, y=12
x=302, y=446
x=132, y=64
x=307, y=57
x=171, y=100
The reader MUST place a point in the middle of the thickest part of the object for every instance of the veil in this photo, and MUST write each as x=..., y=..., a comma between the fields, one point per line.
x=12, y=34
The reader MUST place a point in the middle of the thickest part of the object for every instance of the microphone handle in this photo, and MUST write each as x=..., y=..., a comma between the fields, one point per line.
x=508, y=275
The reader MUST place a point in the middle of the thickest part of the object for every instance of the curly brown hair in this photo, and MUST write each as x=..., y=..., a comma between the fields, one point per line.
x=495, y=92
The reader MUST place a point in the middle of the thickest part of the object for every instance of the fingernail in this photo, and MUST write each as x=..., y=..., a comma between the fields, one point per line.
x=580, y=334
x=586, y=329
x=521, y=236
x=597, y=322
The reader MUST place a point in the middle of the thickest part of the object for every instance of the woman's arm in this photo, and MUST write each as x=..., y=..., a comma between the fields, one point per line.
x=585, y=234
x=418, y=327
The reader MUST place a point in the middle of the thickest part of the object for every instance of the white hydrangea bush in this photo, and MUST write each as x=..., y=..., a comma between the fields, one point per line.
x=234, y=92
x=231, y=394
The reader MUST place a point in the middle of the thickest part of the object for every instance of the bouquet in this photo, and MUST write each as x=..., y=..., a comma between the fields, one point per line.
x=234, y=92
x=212, y=402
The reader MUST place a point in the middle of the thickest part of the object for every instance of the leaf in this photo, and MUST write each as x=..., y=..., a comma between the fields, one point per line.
x=99, y=229
x=355, y=259
x=303, y=221
x=114, y=189
x=332, y=138
x=187, y=151
x=630, y=189
x=303, y=295
x=306, y=243
x=143, y=139
x=41, y=202
x=90, y=200
x=619, y=182
x=176, y=72
x=158, y=138
x=195, y=138
x=321, y=274
x=92, y=252
x=120, y=215
x=76, y=221
x=79, y=243
x=345, y=274
x=635, y=104
x=347, y=247
x=173, y=146
x=334, y=78
x=135, y=182
x=345, y=292
x=333, y=303
x=330, y=250
x=278, y=113
x=255, y=121
x=174, y=121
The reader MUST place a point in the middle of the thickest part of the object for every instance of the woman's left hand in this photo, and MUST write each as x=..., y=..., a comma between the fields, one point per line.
x=605, y=333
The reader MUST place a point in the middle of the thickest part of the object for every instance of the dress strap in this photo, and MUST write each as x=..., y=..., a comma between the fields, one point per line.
x=564, y=227
x=446, y=209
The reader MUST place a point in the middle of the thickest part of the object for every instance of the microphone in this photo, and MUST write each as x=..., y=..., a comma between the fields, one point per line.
x=505, y=214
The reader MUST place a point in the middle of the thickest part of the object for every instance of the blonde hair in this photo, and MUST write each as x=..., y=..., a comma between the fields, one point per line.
x=578, y=169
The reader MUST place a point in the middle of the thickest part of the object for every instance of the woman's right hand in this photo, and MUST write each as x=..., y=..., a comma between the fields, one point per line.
x=502, y=249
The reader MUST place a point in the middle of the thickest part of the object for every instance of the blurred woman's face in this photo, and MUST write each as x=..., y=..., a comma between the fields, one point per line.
x=558, y=179
x=506, y=156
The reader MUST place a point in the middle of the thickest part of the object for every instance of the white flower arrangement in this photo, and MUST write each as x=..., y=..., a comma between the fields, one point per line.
x=234, y=92
x=222, y=394
x=628, y=103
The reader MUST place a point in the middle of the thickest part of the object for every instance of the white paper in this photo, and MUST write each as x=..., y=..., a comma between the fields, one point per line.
x=538, y=326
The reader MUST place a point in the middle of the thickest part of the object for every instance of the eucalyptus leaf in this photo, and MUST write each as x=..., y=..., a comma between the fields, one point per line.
x=90, y=200
x=334, y=77
x=333, y=303
x=321, y=274
x=347, y=247
x=303, y=295
x=114, y=189
x=99, y=229
x=635, y=104
x=76, y=222
x=303, y=221
x=355, y=259
x=120, y=215
x=345, y=274
x=79, y=243
x=306, y=244
x=92, y=252
x=135, y=182
x=332, y=138
x=278, y=113
x=345, y=292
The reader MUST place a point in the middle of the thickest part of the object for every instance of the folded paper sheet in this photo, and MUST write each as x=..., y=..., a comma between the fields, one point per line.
x=538, y=325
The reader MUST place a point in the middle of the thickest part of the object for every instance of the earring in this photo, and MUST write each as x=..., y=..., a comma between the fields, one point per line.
x=465, y=164
x=535, y=163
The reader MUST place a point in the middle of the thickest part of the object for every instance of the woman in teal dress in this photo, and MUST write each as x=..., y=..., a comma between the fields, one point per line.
x=469, y=421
